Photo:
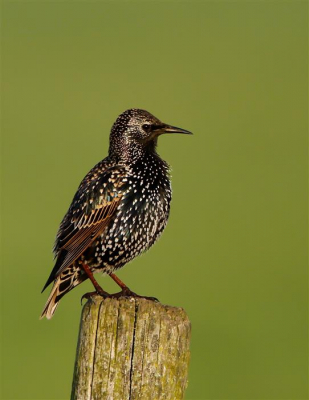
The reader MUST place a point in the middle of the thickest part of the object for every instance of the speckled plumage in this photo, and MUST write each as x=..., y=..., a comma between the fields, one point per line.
x=120, y=209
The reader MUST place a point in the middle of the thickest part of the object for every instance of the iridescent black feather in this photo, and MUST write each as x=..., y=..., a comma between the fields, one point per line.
x=120, y=209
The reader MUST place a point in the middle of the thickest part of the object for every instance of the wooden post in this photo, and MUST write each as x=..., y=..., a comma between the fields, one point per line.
x=131, y=349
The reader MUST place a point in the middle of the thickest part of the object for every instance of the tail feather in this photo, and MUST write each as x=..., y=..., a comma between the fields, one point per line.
x=52, y=302
x=65, y=282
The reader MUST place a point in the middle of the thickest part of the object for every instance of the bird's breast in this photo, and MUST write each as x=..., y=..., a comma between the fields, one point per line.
x=146, y=204
x=140, y=218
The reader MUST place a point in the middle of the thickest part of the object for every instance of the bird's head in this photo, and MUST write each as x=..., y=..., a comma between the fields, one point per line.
x=138, y=130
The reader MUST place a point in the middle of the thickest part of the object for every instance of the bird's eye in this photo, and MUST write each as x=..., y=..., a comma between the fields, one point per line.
x=147, y=127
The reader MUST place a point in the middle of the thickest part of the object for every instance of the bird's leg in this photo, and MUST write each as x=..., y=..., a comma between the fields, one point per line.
x=125, y=291
x=98, y=289
x=118, y=281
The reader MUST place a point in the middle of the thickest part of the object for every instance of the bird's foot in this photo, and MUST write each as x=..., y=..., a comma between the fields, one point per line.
x=99, y=292
x=126, y=292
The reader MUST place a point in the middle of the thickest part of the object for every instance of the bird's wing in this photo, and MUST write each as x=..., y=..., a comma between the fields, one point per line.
x=93, y=207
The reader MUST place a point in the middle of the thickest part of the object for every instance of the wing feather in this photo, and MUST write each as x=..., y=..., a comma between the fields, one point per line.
x=93, y=207
x=88, y=229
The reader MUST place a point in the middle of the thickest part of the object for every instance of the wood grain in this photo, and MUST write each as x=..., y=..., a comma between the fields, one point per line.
x=131, y=349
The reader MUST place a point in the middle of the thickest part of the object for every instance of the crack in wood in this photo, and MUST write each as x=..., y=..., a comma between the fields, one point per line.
x=133, y=347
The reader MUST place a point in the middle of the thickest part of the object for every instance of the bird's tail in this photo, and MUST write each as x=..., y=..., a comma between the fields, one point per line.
x=65, y=282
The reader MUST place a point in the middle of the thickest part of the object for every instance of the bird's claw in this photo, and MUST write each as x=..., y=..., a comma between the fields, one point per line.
x=96, y=292
x=126, y=292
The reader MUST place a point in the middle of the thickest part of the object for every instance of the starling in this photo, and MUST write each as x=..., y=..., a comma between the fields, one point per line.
x=119, y=210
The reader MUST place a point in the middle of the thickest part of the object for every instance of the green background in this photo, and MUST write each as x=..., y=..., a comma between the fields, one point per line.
x=234, y=252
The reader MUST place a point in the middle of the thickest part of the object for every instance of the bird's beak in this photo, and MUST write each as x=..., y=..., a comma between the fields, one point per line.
x=174, y=129
x=164, y=128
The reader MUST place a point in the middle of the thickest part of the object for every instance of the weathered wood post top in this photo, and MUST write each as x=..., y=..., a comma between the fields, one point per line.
x=131, y=349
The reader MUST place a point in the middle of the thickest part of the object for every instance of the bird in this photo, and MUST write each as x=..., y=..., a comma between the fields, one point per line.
x=119, y=211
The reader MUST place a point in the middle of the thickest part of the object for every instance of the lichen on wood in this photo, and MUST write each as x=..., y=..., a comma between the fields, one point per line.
x=131, y=349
